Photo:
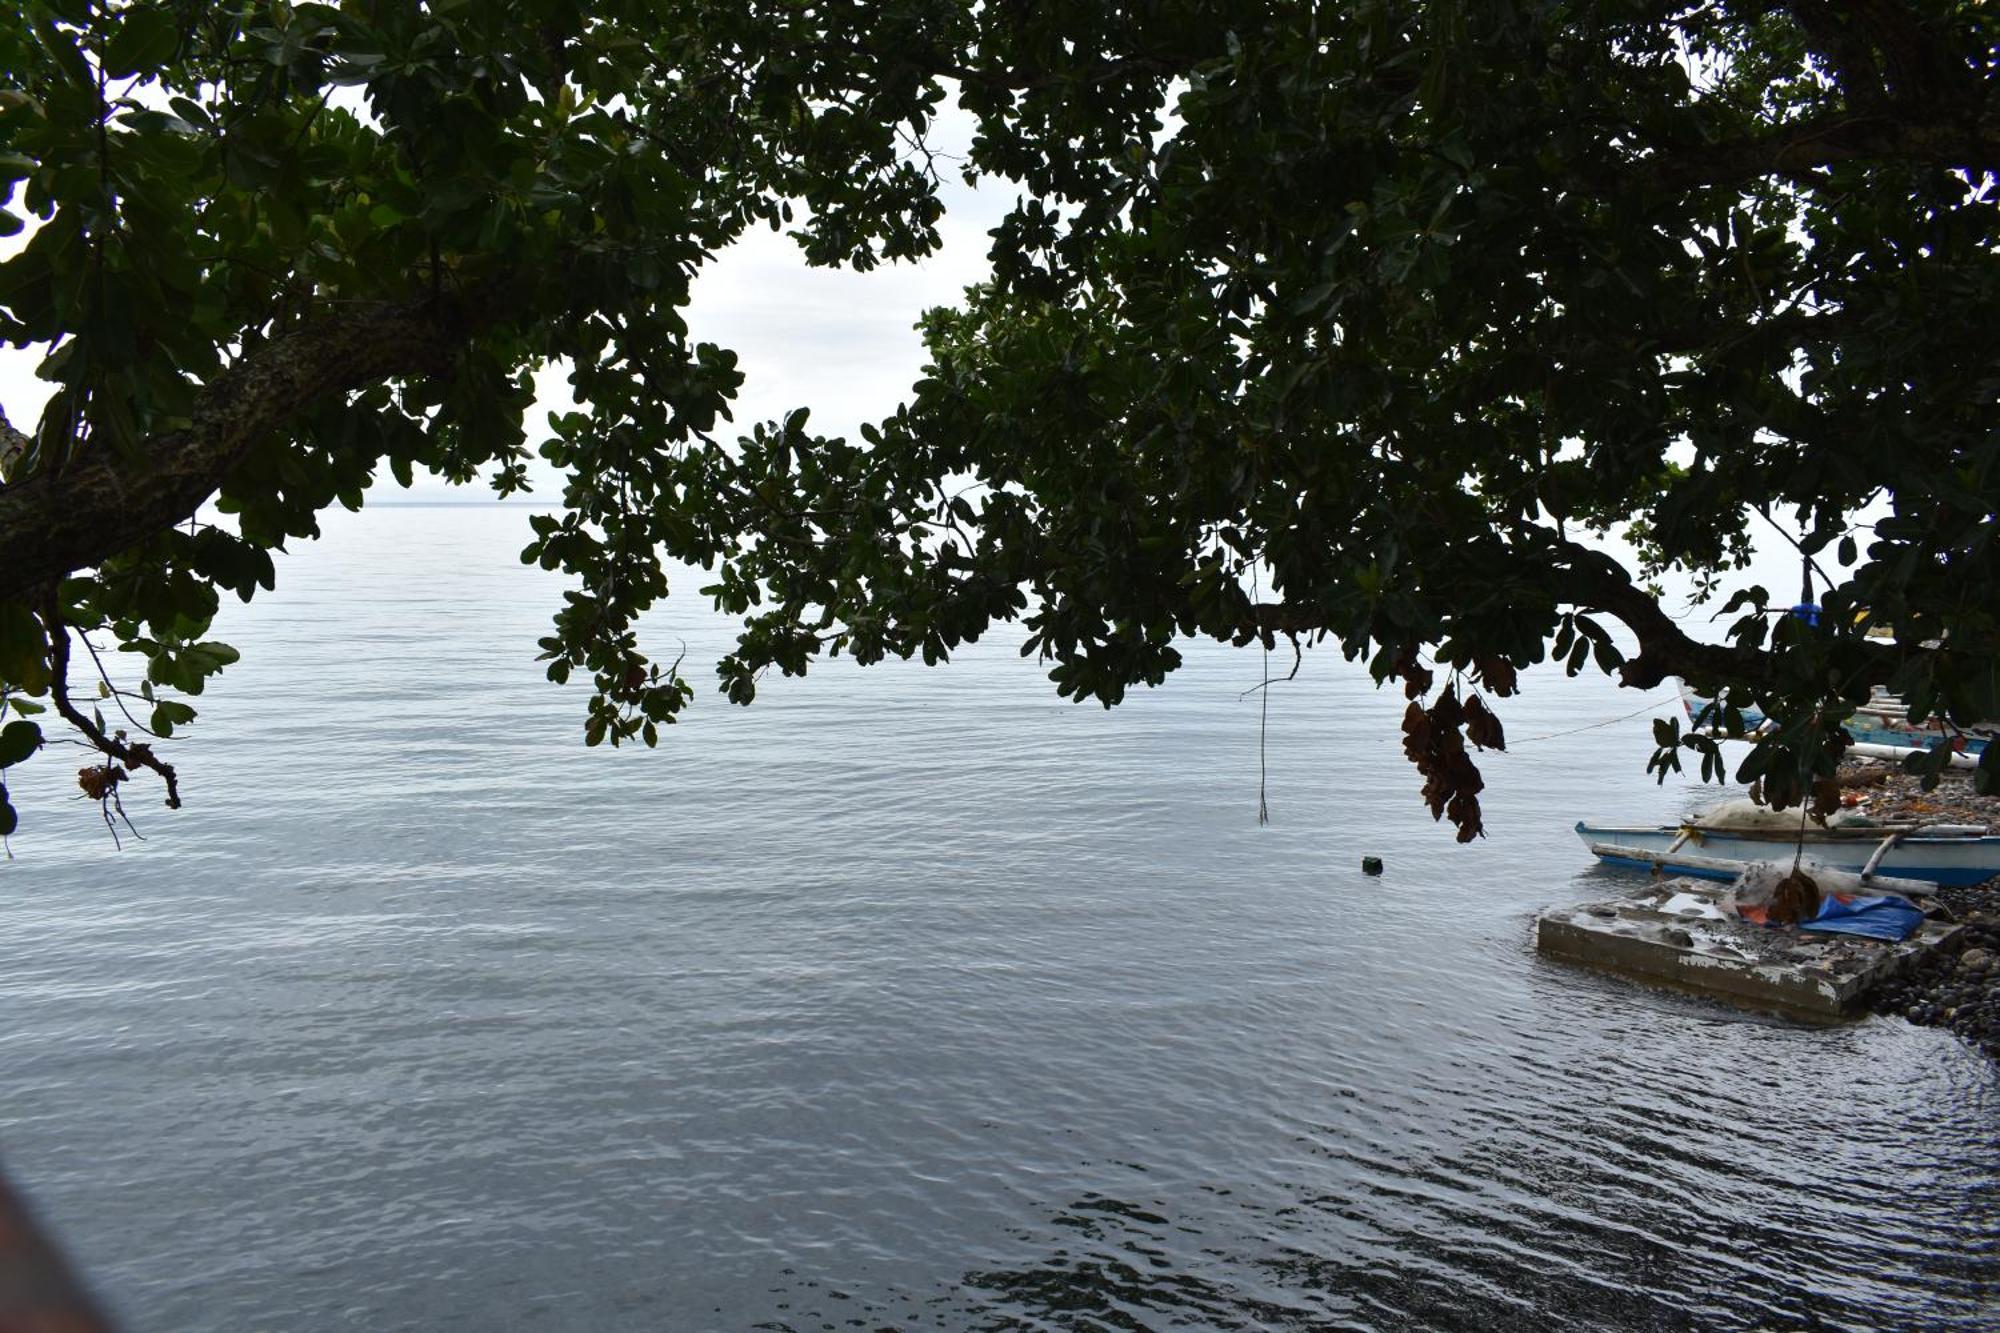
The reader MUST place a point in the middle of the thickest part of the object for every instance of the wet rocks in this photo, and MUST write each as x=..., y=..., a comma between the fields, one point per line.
x=1958, y=985
x=1881, y=791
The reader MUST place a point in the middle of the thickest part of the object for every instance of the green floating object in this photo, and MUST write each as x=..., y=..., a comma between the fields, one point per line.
x=1371, y=865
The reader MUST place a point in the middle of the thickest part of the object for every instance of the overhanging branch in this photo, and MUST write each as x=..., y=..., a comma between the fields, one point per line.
x=1590, y=580
x=1793, y=150
x=54, y=523
x=13, y=444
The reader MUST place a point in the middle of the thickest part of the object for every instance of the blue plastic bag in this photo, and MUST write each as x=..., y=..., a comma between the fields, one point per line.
x=1884, y=918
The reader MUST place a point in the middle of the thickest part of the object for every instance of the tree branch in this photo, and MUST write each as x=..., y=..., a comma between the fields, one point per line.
x=1016, y=80
x=1591, y=580
x=13, y=447
x=1793, y=150
x=101, y=504
x=1919, y=63
x=138, y=755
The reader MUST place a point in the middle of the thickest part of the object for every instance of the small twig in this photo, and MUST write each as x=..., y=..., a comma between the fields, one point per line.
x=1298, y=660
x=1779, y=529
x=117, y=695
x=307, y=124
x=132, y=756
x=109, y=804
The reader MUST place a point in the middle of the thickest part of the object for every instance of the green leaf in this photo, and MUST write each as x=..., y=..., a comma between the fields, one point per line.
x=18, y=740
x=168, y=714
x=1986, y=774
x=1929, y=764
x=23, y=649
x=145, y=39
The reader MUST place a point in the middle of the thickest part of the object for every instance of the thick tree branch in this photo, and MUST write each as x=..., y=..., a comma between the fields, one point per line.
x=1918, y=61
x=1018, y=80
x=1594, y=581
x=1910, y=97
x=13, y=445
x=52, y=524
x=1793, y=150
x=1591, y=580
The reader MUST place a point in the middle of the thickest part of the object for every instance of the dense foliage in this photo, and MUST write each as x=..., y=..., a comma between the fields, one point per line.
x=1381, y=308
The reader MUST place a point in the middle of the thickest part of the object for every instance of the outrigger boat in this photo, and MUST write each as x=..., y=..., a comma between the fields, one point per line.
x=1931, y=853
x=1883, y=721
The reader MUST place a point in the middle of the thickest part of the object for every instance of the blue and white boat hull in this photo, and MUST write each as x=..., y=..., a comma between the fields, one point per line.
x=1934, y=858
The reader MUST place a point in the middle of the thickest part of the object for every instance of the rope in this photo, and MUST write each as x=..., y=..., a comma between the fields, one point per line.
x=1263, y=720
x=1593, y=726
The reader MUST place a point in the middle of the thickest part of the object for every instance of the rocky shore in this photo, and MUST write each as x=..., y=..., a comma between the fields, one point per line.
x=1957, y=986
x=1884, y=793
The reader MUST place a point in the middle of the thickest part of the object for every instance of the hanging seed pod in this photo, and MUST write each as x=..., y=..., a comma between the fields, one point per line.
x=1482, y=728
x=1416, y=678
x=1496, y=674
x=1433, y=742
x=1795, y=899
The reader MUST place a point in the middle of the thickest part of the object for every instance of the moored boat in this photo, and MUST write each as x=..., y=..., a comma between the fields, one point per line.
x=1883, y=720
x=1934, y=854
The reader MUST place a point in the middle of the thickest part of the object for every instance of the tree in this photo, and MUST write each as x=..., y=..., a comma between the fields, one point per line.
x=1312, y=321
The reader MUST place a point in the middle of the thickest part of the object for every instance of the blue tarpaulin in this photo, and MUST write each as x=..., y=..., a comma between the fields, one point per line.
x=1884, y=918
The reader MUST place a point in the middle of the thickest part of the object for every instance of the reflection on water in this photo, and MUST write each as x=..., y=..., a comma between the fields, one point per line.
x=908, y=999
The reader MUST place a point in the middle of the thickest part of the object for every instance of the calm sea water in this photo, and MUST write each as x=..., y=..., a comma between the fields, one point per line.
x=907, y=999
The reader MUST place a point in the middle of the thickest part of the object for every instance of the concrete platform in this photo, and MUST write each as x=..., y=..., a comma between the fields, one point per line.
x=1678, y=934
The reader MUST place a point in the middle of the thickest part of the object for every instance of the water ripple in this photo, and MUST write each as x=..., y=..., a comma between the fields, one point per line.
x=908, y=999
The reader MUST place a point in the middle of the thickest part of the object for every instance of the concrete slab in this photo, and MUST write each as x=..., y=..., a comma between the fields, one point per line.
x=1678, y=933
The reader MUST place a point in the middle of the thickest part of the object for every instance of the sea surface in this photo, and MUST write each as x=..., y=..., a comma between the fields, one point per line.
x=907, y=998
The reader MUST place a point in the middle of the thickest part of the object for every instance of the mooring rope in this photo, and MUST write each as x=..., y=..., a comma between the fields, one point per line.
x=1592, y=726
x=1263, y=719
